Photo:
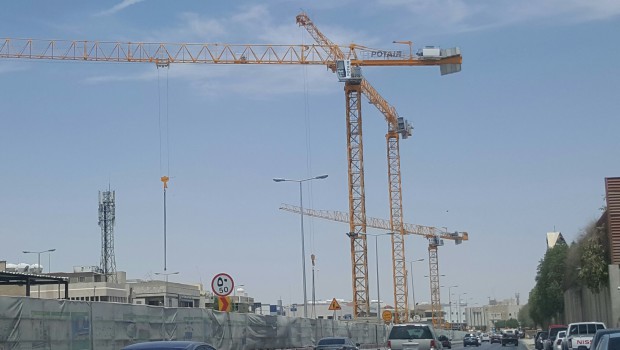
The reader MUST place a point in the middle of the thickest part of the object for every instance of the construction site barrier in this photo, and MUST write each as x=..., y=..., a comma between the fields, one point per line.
x=28, y=323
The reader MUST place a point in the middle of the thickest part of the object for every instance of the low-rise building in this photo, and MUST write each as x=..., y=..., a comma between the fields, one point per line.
x=162, y=293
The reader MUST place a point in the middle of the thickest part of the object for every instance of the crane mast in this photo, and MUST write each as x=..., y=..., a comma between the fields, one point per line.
x=433, y=266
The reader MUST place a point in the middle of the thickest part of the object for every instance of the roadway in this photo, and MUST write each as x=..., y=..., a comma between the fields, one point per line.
x=524, y=344
x=457, y=344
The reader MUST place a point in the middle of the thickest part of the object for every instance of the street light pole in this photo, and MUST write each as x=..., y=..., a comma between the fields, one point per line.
x=412, y=290
x=166, y=274
x=39, y=264
x=450, y=304
x=459, y=308
x=377, y=265
x=303, y=244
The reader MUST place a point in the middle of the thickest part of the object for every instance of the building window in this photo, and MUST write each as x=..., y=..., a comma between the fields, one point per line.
x=81, y=279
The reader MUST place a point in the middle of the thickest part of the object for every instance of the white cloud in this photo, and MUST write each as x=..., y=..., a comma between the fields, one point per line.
x=10, y=67
x=145, y=75
x=256, y=82
x=471, y=15
x=118, y=7
x=249, y=24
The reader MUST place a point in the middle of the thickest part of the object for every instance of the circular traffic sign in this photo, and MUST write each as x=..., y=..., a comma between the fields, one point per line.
x=386, y=315
x=222, y=284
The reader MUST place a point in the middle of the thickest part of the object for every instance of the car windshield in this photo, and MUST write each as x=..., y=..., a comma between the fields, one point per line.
x=411, y=332
x=331, y=341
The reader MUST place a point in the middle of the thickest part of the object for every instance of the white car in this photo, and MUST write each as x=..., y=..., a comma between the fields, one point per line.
x=485, y=337
x=557, y=345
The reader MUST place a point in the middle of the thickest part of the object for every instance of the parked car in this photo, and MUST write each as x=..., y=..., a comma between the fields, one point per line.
x=332, y=343
x=421, y=333
x=170, y=345
x=557, y=343
x=610, y=341
x=599, y=334
x=552, y=332
x=485, y=337
x=471, y=339
x=445, y=341
x=496, y=338
x=539, y=341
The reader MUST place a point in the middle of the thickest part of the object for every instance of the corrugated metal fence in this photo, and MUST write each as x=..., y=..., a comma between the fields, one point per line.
x=27, y=323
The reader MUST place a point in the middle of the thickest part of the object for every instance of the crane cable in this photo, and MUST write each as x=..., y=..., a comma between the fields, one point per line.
x=167, y=126
x=164, y=178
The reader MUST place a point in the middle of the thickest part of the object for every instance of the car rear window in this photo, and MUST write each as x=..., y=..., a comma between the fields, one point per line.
x=411, y=332
x=334, y=341
x=589, y=328
x=554, y=331
x=614, y=343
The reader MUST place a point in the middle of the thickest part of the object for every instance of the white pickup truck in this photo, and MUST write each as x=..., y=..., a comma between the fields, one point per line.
x=579, y=335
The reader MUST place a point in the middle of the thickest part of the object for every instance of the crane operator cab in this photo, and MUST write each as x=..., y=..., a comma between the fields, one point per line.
x=347, y=73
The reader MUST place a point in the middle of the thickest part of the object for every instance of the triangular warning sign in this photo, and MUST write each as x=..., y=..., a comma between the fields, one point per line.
x=334, y=305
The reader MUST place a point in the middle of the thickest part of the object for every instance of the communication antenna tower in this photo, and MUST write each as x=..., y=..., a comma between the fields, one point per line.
x=107, y=217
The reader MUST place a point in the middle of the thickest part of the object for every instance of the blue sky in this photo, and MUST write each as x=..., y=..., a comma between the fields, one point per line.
x=517, y=144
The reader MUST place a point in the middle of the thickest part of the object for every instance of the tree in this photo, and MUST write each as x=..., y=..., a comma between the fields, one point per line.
x=511, y=323
x=547, y=298
x=551, y=282
x=594, y=259
x=534, y=307
x=524, y=317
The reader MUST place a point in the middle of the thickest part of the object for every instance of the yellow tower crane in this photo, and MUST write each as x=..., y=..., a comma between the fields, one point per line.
x=345, y=60
x=355, y=85
x=435, y=239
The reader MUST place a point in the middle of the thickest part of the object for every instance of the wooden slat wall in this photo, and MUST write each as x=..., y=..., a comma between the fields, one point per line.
x=612, y=190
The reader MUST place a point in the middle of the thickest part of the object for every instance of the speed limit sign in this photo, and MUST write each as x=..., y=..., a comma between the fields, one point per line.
x=222, y=284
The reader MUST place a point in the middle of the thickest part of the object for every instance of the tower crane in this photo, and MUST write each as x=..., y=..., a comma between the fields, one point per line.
x=435, y=239
x=355, y=85
x=345, y=60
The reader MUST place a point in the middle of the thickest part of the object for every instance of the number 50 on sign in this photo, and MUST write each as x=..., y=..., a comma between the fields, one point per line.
x=222, y=284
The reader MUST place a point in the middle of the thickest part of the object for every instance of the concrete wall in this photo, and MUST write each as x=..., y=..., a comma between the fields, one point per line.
x=581, y=304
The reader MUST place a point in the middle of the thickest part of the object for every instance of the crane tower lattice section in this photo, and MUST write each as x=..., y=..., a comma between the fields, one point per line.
x=357, y=201
x=433, y=264
x=396, y=223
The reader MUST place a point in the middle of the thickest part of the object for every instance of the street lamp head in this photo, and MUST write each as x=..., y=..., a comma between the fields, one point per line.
x=166, y=273
x=52, y=250
x=419, y=260
x=26, y=252
x=279, y=179
x=320, y=177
